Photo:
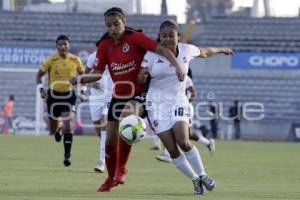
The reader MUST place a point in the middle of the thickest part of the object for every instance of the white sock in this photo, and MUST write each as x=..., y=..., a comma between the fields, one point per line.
x=183, y=165
x=102, y=147
x=203, y=140
x=194, y=158
x=156, y=141
x=166, y=152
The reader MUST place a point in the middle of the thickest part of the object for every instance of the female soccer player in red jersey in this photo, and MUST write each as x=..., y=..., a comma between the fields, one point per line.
x=122, y=49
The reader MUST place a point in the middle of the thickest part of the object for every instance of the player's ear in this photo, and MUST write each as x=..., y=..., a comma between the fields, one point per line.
x=125, y=22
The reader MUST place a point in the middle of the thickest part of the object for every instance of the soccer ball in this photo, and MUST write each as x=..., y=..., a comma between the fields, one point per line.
x=132, y=129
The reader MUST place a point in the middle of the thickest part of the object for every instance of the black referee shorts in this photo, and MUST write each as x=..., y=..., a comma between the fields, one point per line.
x=58, y=102
x=117, y=105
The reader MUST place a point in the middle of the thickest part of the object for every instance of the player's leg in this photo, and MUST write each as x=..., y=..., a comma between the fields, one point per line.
x=67, y=109
x=180, y=160
x=96, y=110
x=132, y=107
x=67, y=136
x=191, y=153
x=111, y=143
x=54, y=114
x=197, y=136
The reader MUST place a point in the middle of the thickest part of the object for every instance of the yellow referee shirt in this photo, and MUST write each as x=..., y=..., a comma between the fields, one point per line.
x=61, y=70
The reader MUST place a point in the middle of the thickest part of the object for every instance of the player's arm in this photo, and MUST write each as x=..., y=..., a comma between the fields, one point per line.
x=94, y=85
x=39, y=83
x=193, y=93
x=211, y=51
x=143, y=75
x=95, y=75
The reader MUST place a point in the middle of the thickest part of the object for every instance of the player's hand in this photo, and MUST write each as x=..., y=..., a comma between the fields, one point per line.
x=96, y=85
x=44, y=94
x=146, y=72
x=180, y=74
x=73, y=81
x=192, y=97
x=227, y=51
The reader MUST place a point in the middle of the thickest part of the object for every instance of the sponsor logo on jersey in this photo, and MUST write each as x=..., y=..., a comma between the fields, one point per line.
x=126, y=48
x=159, y=61
x=119, y=68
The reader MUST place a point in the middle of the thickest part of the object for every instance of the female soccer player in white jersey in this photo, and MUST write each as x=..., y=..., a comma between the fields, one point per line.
x=193, y=134
x=99, y=99
x=168, y=106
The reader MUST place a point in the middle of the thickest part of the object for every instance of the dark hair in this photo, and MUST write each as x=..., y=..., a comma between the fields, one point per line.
x=11, y=97
x=128, y=30
x=168, y=23
x=114, y=11
x=62, y=37
x=190, y=73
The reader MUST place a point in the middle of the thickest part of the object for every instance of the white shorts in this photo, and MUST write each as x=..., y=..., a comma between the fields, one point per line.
x=164, y=119
x=192, y=112
x=98, y=109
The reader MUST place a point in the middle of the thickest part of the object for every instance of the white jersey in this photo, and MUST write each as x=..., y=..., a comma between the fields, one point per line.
x=106, y=84
x=164, y=88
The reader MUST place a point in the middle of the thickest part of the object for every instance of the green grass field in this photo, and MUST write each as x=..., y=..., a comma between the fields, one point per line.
x=31, y=168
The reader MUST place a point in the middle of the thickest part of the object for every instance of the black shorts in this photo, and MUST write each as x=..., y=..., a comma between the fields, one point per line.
x=58, y=102
x=116, y=106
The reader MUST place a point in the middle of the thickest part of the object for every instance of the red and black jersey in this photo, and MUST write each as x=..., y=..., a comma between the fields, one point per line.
x=124, y=61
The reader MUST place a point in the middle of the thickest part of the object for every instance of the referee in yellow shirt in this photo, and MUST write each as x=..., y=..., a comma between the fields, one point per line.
x=61, y=97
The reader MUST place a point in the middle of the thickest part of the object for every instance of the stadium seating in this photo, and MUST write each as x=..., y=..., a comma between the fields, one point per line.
x=251, y=34
x=84, y=29
x=279, y=96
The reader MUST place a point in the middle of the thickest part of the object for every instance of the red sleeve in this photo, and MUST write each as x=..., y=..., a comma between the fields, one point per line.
x=144, y=42
x=101, y=57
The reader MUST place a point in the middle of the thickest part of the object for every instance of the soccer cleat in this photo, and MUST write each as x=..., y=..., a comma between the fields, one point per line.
x=163, y=158
x=67, y=161
x=57, y=137
x=99, y=168
x=107, y=185
x=208, y=183
x=212, y=146
x=198, y=187
x=120, y=176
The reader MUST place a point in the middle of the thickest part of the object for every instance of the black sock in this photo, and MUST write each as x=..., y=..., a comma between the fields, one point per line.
x=68, y=138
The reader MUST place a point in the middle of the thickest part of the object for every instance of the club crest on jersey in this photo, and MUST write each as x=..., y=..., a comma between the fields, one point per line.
x=126, y=48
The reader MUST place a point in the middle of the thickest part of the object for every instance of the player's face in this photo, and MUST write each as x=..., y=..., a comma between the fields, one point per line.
x=169, y=38
x=115, y=26
x=63, y=47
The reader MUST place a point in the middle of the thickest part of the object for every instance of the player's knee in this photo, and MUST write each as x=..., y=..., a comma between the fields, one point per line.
x=185, y=145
